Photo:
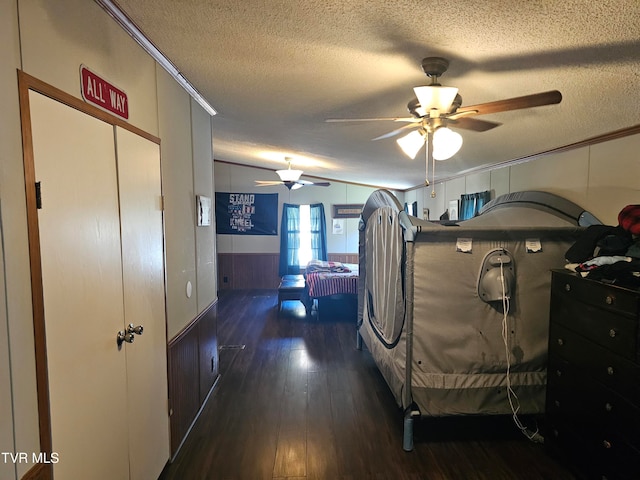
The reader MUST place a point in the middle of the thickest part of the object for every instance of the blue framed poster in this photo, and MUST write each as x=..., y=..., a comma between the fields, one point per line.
x=246, y=213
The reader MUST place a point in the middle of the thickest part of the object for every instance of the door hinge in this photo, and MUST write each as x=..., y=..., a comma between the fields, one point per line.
x=38, y=196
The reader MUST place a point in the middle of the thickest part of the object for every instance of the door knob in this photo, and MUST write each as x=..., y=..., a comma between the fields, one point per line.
x=124, y=337
x=137, y=330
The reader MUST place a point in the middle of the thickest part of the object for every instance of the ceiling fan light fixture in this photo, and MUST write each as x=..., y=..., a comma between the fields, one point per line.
x=436, y=97
x=446, y=143
x=411, y=143
x=289, y=175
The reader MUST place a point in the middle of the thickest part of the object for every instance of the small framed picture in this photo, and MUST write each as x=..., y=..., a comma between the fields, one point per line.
x=453, y=209
x=351, y=210
x=203, y=210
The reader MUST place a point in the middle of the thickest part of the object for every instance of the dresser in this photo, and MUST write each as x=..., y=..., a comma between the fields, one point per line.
x=593, y=377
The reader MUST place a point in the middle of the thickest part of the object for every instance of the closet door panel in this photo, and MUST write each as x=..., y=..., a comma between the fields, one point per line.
x=144, y=302
x=82, y=283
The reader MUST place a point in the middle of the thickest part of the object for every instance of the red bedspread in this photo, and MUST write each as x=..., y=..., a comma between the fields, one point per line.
x=325, y=283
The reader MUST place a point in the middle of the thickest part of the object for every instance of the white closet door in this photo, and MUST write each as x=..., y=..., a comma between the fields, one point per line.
x=82, y=281
x=144, y=302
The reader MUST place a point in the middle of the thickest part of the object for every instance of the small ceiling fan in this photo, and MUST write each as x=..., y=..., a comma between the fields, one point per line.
x=290, y=179
x=436, y=108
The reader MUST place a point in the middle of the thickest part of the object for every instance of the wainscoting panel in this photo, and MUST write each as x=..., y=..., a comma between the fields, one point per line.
x=240, y=271
x=208, y=351
x=245, y=271
x=193, y=370
x=343, y=257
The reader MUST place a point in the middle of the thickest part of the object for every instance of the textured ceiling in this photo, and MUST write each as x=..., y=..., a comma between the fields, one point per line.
x=275, y=70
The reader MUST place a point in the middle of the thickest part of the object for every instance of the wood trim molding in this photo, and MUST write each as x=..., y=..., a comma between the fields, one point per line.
x=26, y=83
x=32, y=83
x=37, y=294
x=41, y=471
x=315, y=177
x=192, y=324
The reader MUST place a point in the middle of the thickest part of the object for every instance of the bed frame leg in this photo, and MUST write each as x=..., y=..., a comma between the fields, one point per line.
x=358, y=340
x=407, y=434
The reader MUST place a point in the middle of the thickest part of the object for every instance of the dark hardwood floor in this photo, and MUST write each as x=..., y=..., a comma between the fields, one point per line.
x=301, y=402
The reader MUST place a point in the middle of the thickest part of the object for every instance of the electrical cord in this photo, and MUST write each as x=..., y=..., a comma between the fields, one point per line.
x=514, y=403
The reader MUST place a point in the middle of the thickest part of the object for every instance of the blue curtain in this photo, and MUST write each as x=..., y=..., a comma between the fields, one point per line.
x=289, y=240
x=290, y=237
x=411, y=209
x=318, y=232
x=472, y=203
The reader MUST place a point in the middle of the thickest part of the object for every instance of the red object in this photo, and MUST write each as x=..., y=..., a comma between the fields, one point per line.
x=629, y=219
x=101, y=93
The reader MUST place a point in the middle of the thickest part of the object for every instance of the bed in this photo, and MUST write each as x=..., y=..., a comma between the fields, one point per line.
x=439, y=306
x=331, y=285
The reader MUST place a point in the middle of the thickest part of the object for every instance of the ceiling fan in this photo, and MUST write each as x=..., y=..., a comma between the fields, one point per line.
x=436, y=108
x=290, y=179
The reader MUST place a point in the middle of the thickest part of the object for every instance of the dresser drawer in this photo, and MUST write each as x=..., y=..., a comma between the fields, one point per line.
x=595, y=456
x=577, y=398
x=617, y=373
x=608, y=297
x=615, y=332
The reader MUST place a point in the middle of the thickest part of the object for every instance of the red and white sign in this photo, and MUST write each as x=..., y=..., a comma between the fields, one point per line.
x=103, y=94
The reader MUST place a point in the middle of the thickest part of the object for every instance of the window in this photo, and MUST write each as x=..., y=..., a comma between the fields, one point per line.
x=472, y=203
x=303, y=237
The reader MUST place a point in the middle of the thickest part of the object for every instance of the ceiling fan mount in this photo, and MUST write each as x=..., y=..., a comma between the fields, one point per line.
x=434, y=67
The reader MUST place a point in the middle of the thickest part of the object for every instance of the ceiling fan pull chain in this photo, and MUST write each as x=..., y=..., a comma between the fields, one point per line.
x=426, y=158
x=429, y=150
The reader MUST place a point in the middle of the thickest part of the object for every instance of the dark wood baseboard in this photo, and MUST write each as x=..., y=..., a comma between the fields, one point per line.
x=193, y=370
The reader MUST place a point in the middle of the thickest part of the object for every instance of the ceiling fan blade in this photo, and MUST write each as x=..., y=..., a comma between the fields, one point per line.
x=474, y=124
x=303, y=183
x=380, y=119
x=268, y=183
x=397, y=131
x=536, y=100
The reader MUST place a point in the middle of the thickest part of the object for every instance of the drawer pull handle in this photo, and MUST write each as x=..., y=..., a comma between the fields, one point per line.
x=609, y=300
x=608, y=407
x=606, y=444
x=612, y=333
x=567, y=287
x=558, y=373
x=610, y=370
x=557, y=403
x=560, y=342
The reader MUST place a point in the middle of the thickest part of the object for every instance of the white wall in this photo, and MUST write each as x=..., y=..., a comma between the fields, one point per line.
x=602, y=178
x=50, y=40
x=239, y=179
x=17, y=293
